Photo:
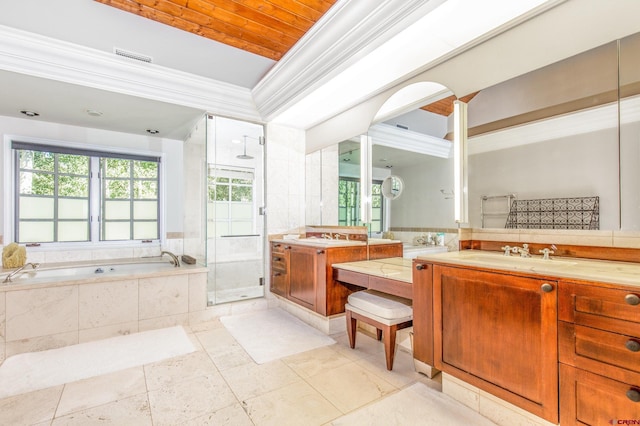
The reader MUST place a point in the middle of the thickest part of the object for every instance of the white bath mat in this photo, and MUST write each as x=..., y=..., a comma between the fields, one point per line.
x=38, y=370
x=272, y=334
x=417, y=404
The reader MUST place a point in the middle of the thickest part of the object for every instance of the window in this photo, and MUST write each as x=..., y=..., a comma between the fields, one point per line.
x=74, y=195
x=231, y=202
x=349, y=203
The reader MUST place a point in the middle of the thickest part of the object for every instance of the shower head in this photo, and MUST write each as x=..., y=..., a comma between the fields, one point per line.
x=244, y=155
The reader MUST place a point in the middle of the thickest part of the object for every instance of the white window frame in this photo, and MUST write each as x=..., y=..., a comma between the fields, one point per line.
x=9, y=186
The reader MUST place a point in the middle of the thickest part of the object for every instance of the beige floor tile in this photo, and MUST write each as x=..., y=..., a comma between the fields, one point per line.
x=350, y=386
x=29, y=408
x=223, y=349
x=178, y=369
x=252, y=380
x=365, y=346
x=403, y=372
x=233, y=415
x=187, y=400
x=296, y=404
x=310, y=363
x=100, y=390
x=128, y=411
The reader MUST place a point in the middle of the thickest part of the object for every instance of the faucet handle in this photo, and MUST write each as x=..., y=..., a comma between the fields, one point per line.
x=507, y=250
x=545, y=253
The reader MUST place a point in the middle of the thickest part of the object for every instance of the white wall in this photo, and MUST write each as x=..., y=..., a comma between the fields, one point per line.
x=101, y=139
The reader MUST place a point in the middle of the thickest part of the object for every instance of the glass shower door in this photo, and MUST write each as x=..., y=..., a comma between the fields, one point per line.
x=235, y=199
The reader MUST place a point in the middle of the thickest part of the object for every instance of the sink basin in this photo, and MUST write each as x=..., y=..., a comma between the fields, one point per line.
x=516, y=261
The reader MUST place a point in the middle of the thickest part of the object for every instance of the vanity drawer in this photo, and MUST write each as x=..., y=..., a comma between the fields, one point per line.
x=591, y=399
x=278, y=263
x=596, y=349
x=611, y=309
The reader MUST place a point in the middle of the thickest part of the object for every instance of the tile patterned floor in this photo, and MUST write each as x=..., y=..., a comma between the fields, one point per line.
x=219, y=384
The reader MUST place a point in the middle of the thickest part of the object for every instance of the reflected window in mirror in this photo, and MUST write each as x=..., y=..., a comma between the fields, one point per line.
x=349, y=203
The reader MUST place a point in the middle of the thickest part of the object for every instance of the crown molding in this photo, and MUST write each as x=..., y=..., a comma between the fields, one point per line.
x=346, y=33
x=407, y=140
x=32, y=54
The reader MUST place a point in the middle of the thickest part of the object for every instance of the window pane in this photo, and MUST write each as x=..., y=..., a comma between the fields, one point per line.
x=145, y=169
x=36, y=183
x=116, y=231
x=376, y=214
x=222, y=228
x=145, y=230
x=241, y=193
x=145, y=189
x=222, y=211
x=71, y=186
x=114, y=210
x=242, y=181
x=241, y=228
x=73, y=209
x=114, y=167
x=73, y=164
x=37, y=160
x=222, y=193
x=73, y=231
x=145, y=210
x=211, y=211
x=241, y=211
x=36, y=208
x=35, y=232
x=117, y=189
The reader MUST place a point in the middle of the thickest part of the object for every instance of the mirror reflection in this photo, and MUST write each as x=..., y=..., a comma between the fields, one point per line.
x=556, y=148
x=392, y=187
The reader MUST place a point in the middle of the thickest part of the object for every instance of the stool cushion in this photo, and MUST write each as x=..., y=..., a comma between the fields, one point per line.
x=381, y=305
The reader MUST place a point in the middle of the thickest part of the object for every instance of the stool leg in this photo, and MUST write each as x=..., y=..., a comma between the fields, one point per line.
x=390, y=344
x=351, y=329
x=379, y=334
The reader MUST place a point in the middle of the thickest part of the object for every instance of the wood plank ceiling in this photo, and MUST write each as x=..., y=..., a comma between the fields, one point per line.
x=445, y=106
x=267, y=28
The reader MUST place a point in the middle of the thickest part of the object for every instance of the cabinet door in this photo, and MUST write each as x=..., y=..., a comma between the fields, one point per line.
x=590, y=399
x=499, y=333
x=303, y=275
x=383, y=251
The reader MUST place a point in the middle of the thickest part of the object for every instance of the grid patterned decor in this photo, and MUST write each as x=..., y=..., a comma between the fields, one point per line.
x=555, y=213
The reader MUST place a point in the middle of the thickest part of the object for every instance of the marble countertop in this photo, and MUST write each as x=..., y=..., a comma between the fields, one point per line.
x=626, y=273
x=325, y=243
x=394, y=268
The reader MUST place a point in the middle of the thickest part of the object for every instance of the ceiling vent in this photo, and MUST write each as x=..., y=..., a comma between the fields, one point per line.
x=132, y=55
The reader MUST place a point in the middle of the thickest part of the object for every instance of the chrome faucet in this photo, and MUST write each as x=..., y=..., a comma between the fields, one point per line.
x=524, y=251
x=546, y=252
x=174, y=259
x=507, y=250
x=17, y=271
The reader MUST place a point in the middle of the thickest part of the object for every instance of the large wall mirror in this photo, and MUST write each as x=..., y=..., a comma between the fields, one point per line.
x=408, y=144
x=560, y=145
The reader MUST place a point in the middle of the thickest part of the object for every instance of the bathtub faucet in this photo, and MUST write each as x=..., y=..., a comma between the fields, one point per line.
x=174, y=258
x=17, y=271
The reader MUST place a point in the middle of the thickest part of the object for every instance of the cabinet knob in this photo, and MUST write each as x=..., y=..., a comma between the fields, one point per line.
x=633, y=395
x=420, y=267
x=277, y=274
x=632, y=345
x=632, y=299
x=277, y=259
x=546, y=287
x=320, y=251
x=287, y=247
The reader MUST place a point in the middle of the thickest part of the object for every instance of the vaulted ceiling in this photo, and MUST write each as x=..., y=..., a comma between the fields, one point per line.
x=266, y=28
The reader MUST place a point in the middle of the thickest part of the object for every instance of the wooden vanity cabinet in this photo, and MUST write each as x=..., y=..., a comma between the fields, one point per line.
x=599, y=344
x=494, y=330
x=303, y=273
x=280, y=268
x=383, y=251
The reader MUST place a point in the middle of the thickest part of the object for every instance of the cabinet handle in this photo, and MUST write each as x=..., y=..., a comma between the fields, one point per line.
x=546, y=287
x=320, y=251
x=287, y=247
x=632, y=299
x=633, y=395
x=632, y=345
x=277, y=274
x=420, y=267
x=277, y=259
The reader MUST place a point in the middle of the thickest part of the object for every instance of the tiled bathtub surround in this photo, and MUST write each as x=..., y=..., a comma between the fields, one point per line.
x=38, y=316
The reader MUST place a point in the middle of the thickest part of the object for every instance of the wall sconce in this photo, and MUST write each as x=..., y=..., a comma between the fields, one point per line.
x=461, y=211
x=365, y=178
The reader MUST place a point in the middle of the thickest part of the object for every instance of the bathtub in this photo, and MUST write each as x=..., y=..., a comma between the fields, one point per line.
x=62, y=273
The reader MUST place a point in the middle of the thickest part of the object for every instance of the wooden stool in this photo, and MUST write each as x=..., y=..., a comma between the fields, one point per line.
x=385, y=312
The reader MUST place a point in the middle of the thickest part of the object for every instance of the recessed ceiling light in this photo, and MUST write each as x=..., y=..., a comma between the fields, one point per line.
x=389, y=166
x=94, y=113
x=153, y=131
x=29, y=113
